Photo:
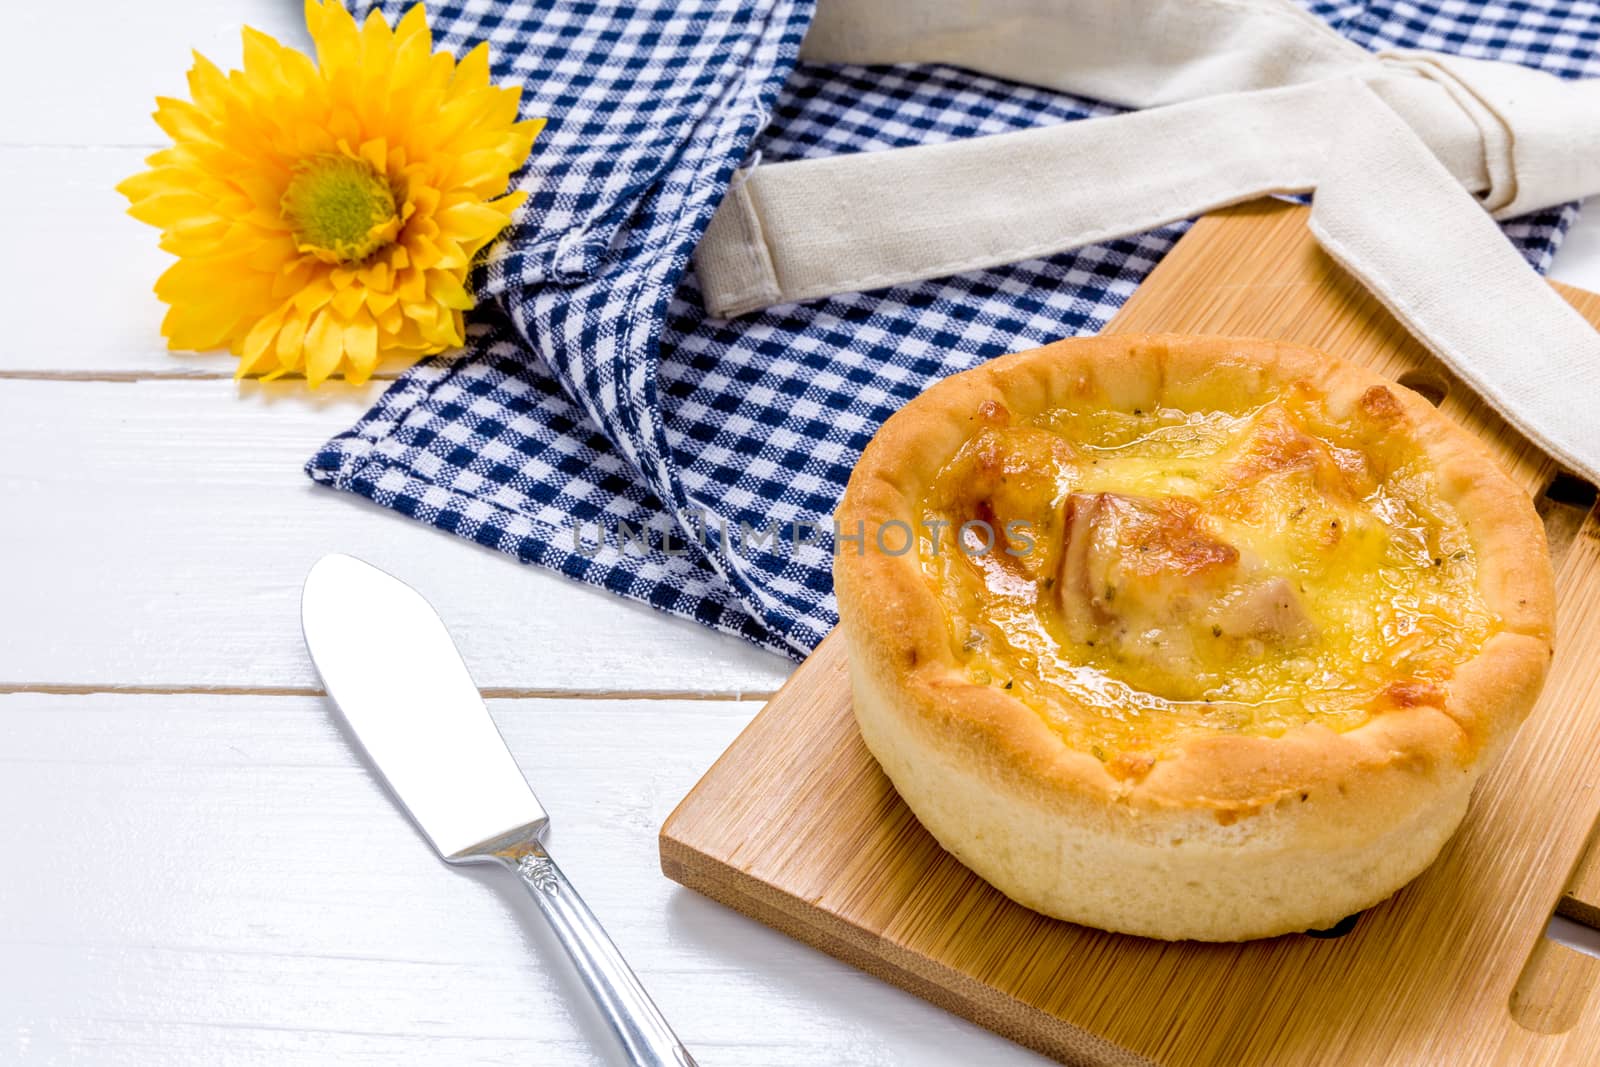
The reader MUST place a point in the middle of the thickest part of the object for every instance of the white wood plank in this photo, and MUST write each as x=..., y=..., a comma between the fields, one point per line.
x=206, y=878
x=90, y=73
x=157, y=533
x=80, y=277
x=83, y=252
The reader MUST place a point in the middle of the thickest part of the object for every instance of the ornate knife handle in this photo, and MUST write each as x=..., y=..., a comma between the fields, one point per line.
x=628, y=1009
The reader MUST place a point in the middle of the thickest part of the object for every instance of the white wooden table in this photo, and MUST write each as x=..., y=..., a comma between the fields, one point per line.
x=194, y=867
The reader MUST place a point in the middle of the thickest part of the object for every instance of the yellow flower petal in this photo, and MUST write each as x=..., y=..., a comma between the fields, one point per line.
x=188, y=327
x=361, y=344
x=336, y=36
x=348, y=299
x=208, y=85
x=473, y=219
x=472, y=72
x=259, y=354
x=448, y=291
x=181, y=120
x=324, y=347
x=173, y=209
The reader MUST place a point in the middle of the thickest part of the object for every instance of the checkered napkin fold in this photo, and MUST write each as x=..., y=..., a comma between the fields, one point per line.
x=603, y=423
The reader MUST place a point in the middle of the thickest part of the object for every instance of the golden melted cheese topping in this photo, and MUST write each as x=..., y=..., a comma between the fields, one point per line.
x=1158, y=574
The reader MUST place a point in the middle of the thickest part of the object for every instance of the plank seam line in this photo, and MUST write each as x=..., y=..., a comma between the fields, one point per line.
x=153, y=376
x=82, y=146
x=488, y=692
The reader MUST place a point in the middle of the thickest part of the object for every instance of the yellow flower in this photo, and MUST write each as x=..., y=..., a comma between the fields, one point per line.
x=325, y=214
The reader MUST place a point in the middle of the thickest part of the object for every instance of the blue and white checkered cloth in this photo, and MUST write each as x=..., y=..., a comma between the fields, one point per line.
x=600, y=425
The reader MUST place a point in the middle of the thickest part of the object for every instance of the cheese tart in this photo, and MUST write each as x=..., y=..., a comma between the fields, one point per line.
x=1188, y=637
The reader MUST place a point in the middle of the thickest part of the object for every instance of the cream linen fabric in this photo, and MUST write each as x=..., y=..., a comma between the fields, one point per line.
x=1134, y=53
x=1408, y=153
x=1447, y=272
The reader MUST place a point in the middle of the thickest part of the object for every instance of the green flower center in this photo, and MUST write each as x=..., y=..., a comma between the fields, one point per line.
x=341, y=209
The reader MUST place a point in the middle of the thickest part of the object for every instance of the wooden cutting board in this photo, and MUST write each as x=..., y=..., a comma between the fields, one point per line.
x=796, y=826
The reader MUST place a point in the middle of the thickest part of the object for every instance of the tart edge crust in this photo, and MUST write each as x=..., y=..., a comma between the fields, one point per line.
x=1235, y=836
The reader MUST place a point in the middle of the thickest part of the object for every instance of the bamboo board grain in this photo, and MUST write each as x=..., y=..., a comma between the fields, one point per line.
x=796, y=826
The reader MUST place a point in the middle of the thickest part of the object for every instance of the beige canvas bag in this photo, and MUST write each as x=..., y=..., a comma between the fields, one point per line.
x=1411, y=156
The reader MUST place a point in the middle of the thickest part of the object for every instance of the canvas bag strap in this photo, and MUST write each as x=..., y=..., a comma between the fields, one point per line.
x=796, y=231
x=811, y=228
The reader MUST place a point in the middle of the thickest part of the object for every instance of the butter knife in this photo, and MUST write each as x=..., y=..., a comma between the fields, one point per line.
x=390, y=666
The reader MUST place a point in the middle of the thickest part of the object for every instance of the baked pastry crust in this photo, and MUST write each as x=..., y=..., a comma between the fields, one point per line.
x=1220, y=834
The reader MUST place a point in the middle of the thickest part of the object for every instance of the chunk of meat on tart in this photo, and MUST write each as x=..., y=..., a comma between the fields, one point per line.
x=1009, y=480
x=1150, y=584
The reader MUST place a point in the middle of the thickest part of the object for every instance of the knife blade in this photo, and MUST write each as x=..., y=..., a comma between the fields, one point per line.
x=399, y=682
x=389, y=664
